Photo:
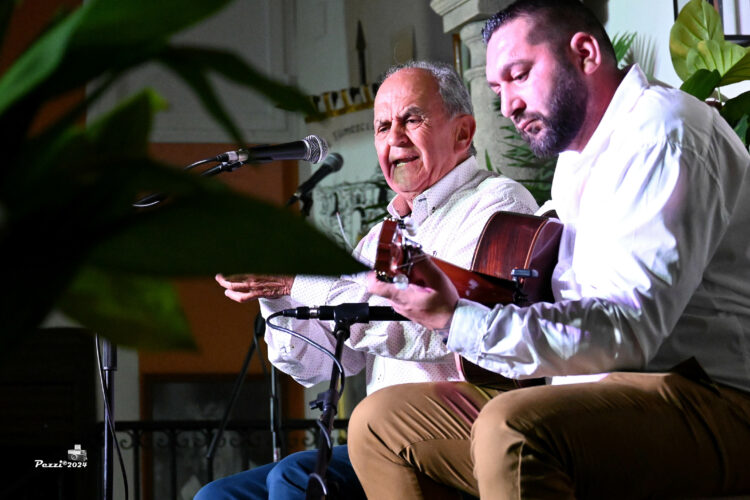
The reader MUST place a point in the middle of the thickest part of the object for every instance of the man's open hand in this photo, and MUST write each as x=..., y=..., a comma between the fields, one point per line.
x=247, y=287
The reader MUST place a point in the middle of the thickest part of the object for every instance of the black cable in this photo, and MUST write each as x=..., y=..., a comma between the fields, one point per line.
x=109, y=423
x=200, y=162
x=328, y=353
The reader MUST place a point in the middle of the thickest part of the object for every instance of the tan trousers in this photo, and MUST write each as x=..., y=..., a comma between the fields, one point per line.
x=630, y=435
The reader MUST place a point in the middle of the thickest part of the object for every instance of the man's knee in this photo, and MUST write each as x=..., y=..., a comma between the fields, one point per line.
x=293, y=471
x=367, y=412
x=512, y=421
x=212, y=491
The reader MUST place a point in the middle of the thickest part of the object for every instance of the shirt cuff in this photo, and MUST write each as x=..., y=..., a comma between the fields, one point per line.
x=467, y=329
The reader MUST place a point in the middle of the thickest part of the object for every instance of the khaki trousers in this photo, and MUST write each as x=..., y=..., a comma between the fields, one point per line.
x=630, y=435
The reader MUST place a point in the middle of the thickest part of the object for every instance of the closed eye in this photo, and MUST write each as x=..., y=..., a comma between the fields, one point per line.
x=413, y=121
x=383, y=127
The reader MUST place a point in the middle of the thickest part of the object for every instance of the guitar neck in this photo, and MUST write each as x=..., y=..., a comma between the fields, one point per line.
x=479, y=287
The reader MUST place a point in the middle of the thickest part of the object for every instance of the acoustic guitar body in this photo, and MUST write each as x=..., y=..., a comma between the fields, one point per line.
x=512, y=241
x=512, y=263
x=508, y=243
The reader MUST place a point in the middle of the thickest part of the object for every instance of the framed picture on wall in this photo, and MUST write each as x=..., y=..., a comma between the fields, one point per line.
x=735, y=17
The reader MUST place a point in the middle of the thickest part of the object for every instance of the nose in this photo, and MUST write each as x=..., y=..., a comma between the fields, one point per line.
x=510, y=102
x=397, y=135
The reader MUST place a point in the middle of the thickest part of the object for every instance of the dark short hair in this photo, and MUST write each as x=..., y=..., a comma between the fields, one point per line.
x=555, y=21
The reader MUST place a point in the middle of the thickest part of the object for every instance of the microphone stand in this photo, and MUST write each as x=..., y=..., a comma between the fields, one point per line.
x=149, y=201
x=109, y=366
x=345, y=315
x=317, y=486
x=258, y=331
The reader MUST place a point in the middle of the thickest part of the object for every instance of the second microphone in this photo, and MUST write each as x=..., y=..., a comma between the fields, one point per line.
x=332, y=163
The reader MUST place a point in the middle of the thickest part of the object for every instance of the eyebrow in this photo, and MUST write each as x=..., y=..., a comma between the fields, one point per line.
x=410, y=111
x=506, y=68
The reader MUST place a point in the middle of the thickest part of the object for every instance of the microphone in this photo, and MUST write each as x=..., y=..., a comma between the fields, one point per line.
x=333, y=163
x=312, y=148
x=351, y=313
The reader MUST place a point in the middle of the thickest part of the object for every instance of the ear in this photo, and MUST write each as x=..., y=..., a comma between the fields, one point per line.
x=586, y=52
x=465, y=128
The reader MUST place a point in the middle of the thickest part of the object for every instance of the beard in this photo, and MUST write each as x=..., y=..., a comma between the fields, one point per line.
x=565, y=118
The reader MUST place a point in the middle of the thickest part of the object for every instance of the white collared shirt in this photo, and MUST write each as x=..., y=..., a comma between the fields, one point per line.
x=654, y=261
x=448, y=219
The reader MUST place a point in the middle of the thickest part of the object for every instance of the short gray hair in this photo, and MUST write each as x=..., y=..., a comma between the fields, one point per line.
x=453, y=91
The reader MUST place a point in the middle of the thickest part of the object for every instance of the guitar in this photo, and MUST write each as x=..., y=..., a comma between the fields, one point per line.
x=512, y=264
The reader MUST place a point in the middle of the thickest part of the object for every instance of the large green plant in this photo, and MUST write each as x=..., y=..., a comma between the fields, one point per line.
x=705, y=62
x=69, y=237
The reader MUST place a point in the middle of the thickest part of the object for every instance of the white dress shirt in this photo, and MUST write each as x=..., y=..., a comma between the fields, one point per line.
x=448, y=219
x=654, y=261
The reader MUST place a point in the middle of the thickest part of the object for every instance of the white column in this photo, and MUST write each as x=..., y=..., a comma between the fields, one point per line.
x=467, y=17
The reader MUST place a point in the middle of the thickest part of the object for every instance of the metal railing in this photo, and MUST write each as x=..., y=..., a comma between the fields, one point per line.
x=165, y=459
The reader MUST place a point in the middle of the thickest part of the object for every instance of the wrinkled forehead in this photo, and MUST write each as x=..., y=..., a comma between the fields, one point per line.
x=409, y=87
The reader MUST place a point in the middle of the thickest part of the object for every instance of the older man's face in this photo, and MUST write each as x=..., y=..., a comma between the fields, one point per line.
x=414, y=137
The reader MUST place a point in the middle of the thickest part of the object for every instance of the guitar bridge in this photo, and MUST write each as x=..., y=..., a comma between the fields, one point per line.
x=519, y=297
x=517, y=274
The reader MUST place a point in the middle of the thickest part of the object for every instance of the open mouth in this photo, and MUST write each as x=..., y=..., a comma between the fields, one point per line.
x=401, y=162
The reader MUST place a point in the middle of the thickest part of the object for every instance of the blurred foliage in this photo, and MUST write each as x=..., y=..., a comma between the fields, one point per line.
x=69, y=235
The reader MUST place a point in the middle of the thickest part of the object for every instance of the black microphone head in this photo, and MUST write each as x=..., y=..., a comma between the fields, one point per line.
x=317, y=148
x=334, y=162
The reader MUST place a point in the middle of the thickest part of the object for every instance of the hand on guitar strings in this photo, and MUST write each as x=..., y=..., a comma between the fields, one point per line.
x=429, y=299
x=246, y=287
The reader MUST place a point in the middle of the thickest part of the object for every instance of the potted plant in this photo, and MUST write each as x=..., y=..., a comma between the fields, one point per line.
x=706, y=62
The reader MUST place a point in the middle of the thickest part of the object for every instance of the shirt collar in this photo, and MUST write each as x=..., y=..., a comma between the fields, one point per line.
x=434, y=196
x=623, y=101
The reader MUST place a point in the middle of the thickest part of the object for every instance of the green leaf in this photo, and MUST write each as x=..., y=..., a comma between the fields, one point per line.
x=743, y=129
x=713, y=55
x=702, y=83
x=622, y=43
x=739, y=72
x=130, y=310
x=191, y=60
x=697, y=21
x=112, y=24
x=39, y=62
x=68, y=231
x=100, y=36
x=488, y=161
x=58, y=167
x=736, y=108
x=206, y=233
x=195, y=76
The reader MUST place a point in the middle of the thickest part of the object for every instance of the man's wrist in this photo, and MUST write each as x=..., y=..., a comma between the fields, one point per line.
x=444, y=331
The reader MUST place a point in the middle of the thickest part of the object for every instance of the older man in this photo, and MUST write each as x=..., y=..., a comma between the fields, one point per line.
x=652, y=299
x=423, y=128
